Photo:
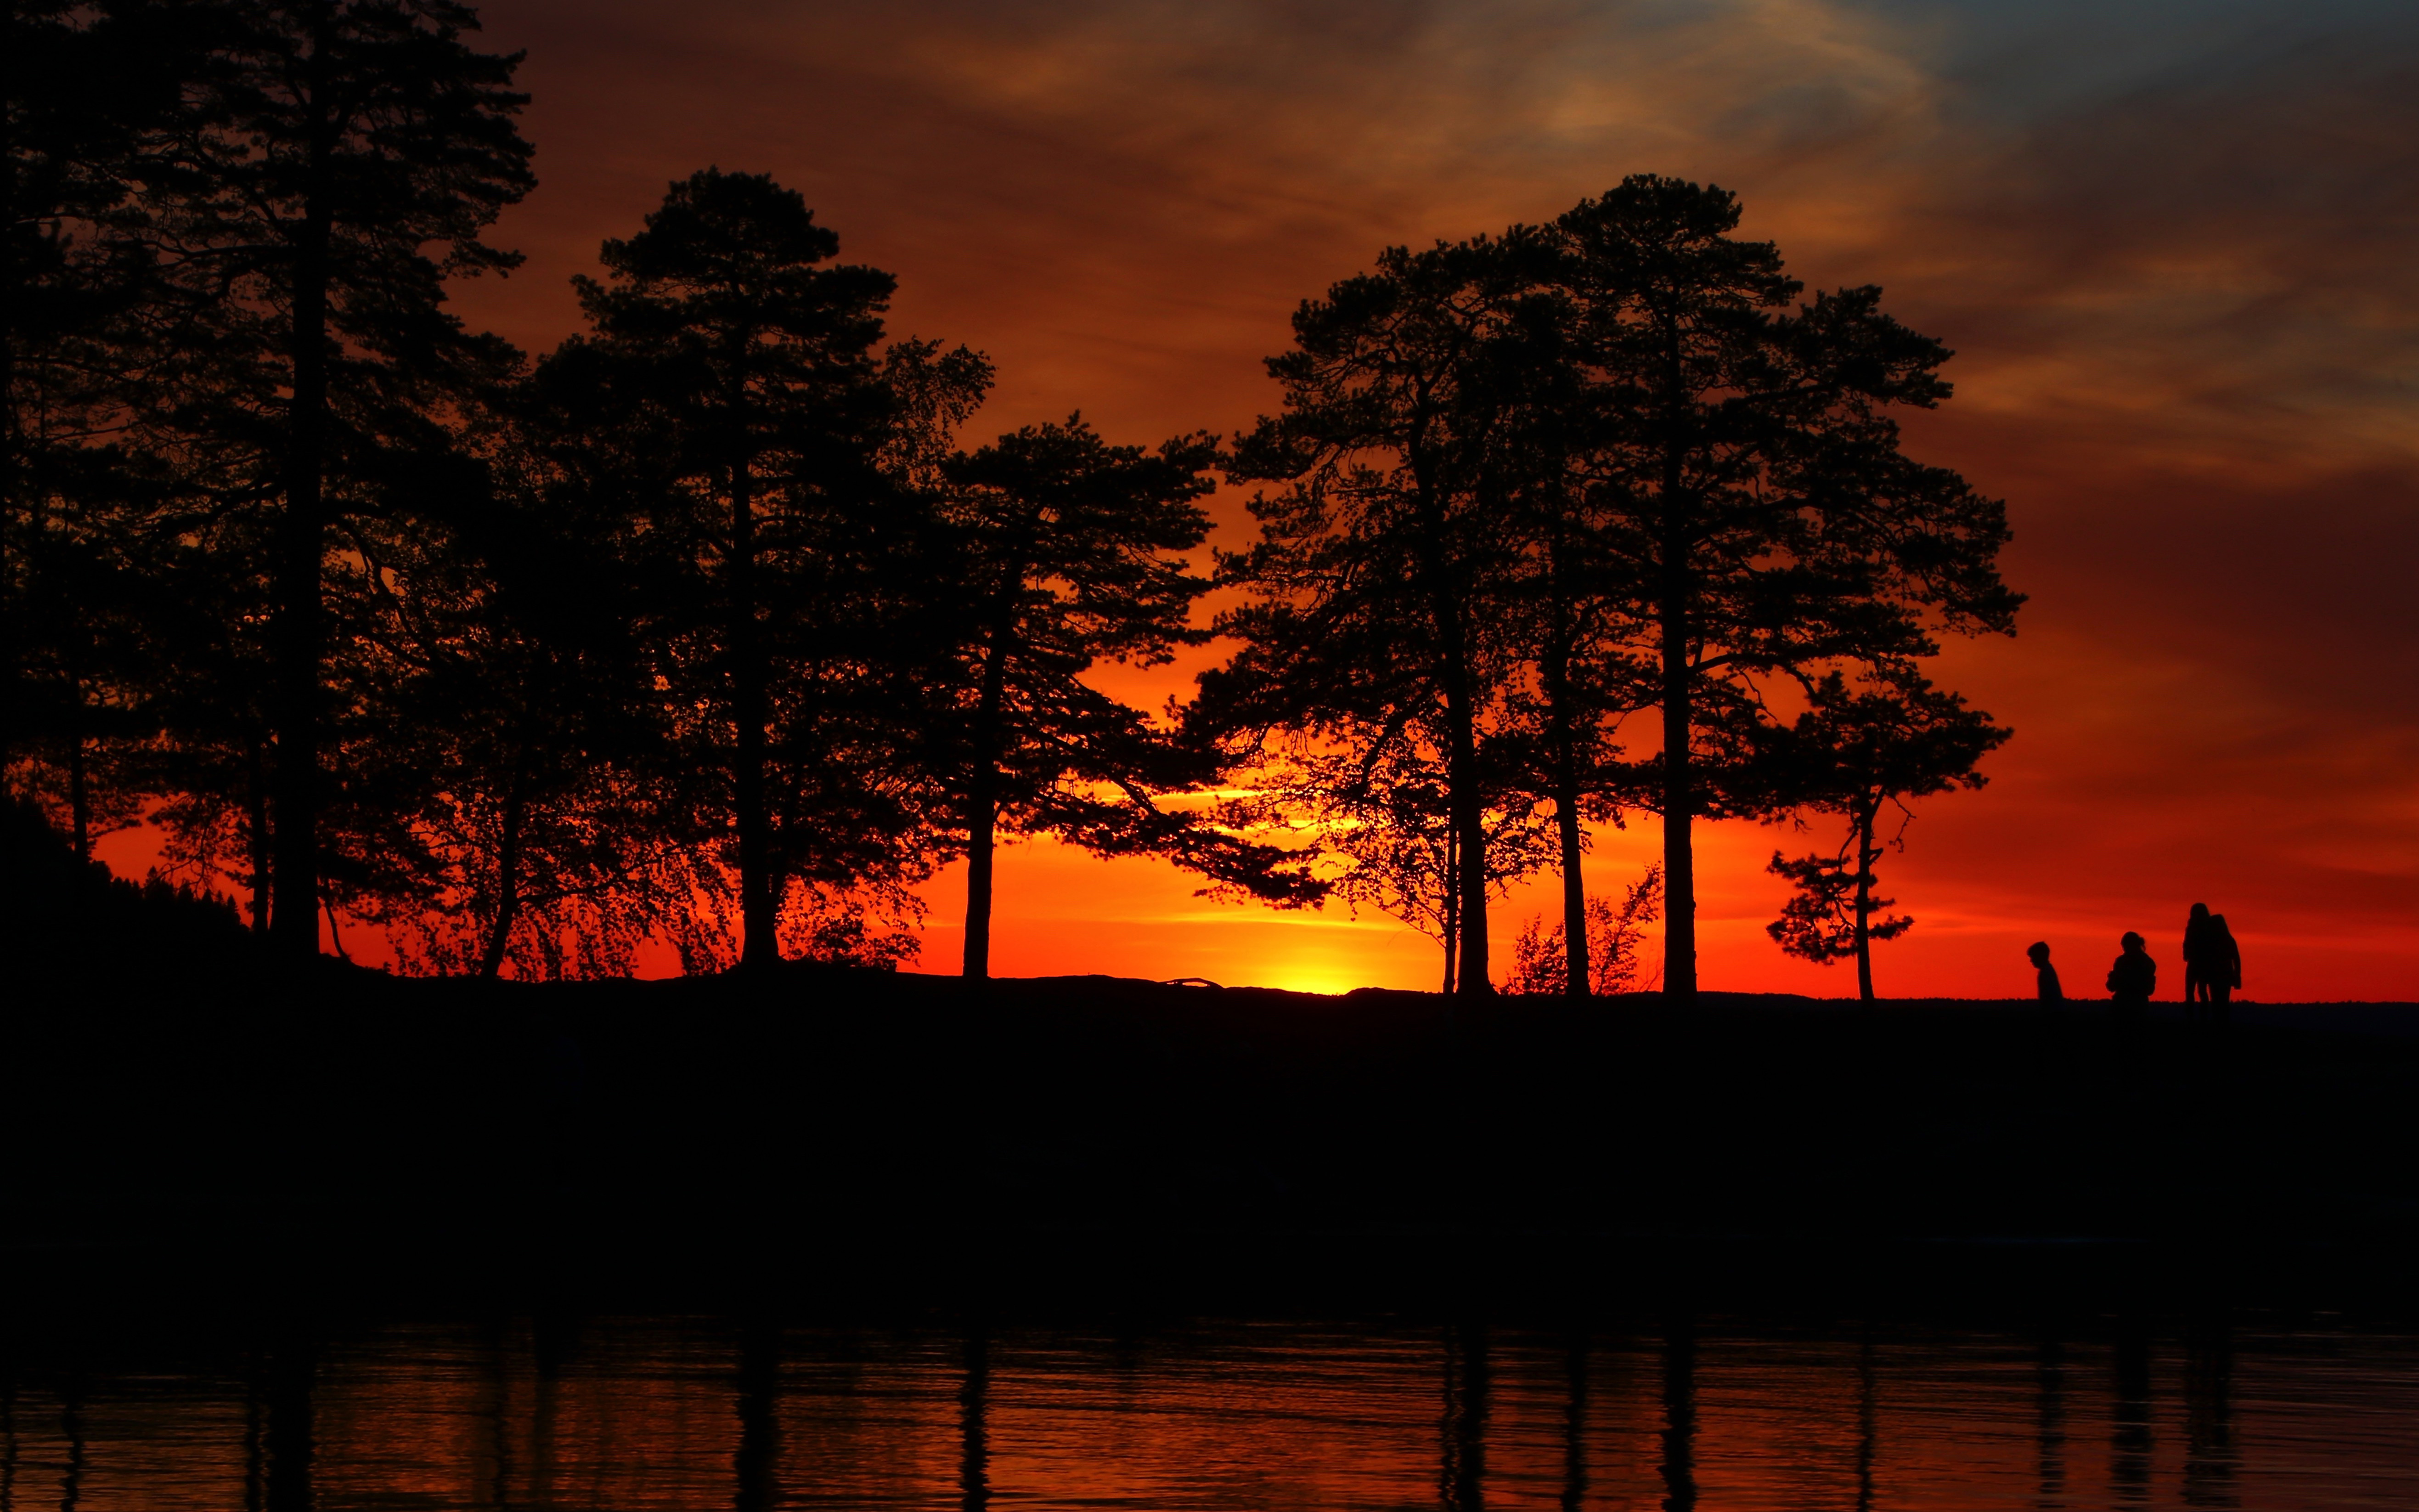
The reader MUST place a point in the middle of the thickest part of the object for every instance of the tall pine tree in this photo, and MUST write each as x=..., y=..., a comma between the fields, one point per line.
x=1377, y=583
x=1752, y=494
x=1071, y=555
x=740, y=368
x=1854, y=753
x=339, y=161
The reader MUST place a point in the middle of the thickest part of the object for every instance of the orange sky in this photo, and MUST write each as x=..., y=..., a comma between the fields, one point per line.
x=2173, y=247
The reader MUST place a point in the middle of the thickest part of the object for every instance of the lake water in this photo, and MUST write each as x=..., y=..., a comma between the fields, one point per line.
x=697, y=1413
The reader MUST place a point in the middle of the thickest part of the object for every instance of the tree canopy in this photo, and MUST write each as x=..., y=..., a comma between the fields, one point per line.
x=703, y=629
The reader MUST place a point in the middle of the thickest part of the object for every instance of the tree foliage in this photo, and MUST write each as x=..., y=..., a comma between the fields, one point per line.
x=1856, y=751
x=1068, y=549
x=1752, y=493
x=1382, y=550
x=1615, y=947
x=735, y=371
x=702, y=631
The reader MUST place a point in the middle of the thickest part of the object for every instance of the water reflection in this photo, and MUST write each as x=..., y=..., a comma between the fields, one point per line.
x=1202, y=1417
x=2129, y=1420
x=754, y=1466
x=1679, y=1419
x=2049, y=1431
x=1575, y=1376
x=72, y=1424
x=2209, y=1413
x=1868, y=1425
x=1463, y=1477
x=974, y=1448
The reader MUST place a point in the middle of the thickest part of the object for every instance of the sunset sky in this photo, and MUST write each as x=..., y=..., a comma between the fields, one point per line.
x=2174, y=242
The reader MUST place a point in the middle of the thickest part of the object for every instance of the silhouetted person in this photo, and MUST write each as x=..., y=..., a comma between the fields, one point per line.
x=2044, y=975
x=2212, y=961
x=2135, y=976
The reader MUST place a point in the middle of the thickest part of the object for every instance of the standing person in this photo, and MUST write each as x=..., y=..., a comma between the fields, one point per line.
x=2135, y=976
x=2212, y=963
x=2196, y=949
x=2044, y=975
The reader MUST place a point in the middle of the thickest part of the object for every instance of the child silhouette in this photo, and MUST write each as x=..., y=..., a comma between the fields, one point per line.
x=2044, y=975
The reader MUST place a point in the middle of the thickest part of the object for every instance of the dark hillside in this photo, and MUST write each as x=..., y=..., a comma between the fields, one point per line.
x=905, y=1129
x=163, y=1097
x=64, y=918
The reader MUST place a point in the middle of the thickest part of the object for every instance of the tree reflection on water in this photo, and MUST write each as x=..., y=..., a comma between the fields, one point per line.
x=687, y=1413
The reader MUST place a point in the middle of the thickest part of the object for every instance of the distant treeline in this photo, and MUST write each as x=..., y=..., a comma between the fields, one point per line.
x=705, y=627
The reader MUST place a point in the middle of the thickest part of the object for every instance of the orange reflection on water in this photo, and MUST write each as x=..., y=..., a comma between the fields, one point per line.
x=679, y=1414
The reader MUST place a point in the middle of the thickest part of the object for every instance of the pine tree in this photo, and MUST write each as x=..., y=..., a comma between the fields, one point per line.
x=1379, y=578
x=1376, y=808
x=89, y=89
x=1071, y=554
x=791, y=543
x=338, y=161
x=1752, y=493
x=1854, y=753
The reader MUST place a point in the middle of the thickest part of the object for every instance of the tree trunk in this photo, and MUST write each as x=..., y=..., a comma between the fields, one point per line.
x=336, y=935
x=11, y=700
x=1470, y=839
x=1679, y=861
x=983, y=808
x=256, y=818
x=508, y=884
x=760, y=947
x=295, y=912
x=1465, y=811
x=1864, y=903
x=1679, y=689
x=1576, y=980
x=1452, y=905
x=1466, y=815
x=79, y=783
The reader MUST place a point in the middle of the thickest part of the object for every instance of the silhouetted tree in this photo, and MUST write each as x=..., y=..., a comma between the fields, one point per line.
x=1855, y=753
x=789, y=543
x=1751, y=488
x=338, y=161
x=1569, y=608
x=1070, y=558
x=207, y=627
x=90, y=88
x=1378, y=578
x=1614, y=951
x=1370, y=811
x=524, y=643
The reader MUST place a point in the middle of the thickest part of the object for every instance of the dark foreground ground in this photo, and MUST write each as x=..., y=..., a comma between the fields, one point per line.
x=910, y=1135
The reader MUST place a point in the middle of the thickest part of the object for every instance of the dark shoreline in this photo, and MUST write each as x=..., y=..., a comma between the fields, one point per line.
x=916, y=1137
